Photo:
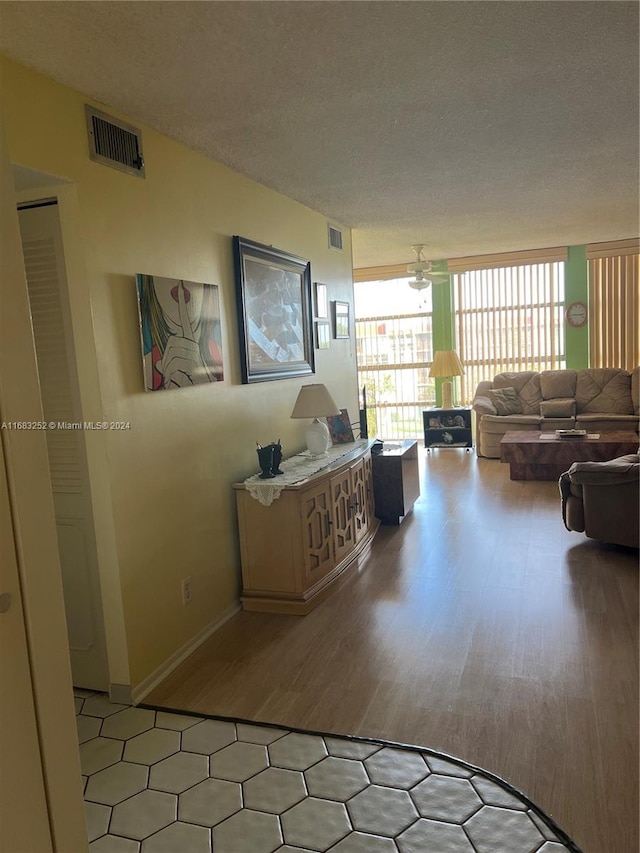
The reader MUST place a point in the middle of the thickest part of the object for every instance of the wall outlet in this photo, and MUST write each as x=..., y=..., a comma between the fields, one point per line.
x=186, y=590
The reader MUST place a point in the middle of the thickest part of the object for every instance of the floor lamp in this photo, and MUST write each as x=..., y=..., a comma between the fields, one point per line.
x=446, y=365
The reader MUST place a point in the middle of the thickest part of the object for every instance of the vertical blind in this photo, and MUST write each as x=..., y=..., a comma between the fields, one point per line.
x=509, y=319
x=614, y=305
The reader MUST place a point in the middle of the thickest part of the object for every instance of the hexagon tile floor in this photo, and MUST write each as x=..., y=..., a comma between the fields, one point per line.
x=160, y=782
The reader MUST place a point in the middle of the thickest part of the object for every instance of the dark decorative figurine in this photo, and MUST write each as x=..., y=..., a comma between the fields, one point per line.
x=265, y=458
x=277, y=458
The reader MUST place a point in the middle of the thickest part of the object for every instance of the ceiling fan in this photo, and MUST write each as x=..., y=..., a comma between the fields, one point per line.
x=424, y=272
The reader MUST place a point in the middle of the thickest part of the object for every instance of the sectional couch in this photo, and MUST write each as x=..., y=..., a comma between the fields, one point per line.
x=595, y=399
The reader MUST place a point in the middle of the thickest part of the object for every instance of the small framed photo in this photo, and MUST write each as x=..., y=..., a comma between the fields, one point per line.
x=340, y=428
x=323, y=334
x=321, y=301
x=340, y=319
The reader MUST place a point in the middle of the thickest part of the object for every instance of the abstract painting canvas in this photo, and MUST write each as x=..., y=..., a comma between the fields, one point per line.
x=180, y=332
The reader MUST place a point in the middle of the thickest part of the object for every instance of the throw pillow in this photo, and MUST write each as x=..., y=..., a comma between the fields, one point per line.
x=506, y=401
x=559, y=408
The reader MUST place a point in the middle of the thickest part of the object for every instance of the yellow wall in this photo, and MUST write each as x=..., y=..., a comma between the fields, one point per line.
x=171, y=512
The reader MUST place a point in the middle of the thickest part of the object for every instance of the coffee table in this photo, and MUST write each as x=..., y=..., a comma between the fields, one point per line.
x=543, y=456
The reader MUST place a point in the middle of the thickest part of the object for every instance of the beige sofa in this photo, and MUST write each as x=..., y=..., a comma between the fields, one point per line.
x=602, y=500
x=595, y=399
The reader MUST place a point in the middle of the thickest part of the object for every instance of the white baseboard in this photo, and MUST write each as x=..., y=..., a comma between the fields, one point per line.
x=151, y=681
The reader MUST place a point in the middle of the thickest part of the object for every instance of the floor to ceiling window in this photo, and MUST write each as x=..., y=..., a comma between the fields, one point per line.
x=614, y=304
x=506, y=317
x=394, y=352
x=509, y=319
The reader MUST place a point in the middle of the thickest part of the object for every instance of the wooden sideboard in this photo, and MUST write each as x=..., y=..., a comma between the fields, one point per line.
x=303, y=545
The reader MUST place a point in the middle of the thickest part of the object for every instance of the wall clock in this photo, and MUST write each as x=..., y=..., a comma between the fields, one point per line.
x=576, y=314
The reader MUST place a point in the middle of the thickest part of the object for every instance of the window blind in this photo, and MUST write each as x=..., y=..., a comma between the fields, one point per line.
x=614, y=308
x=509, y=319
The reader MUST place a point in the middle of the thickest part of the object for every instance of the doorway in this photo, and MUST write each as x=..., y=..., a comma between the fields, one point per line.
x=41, y=237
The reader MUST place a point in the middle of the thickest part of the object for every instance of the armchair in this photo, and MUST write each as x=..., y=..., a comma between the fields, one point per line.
x=601, y=499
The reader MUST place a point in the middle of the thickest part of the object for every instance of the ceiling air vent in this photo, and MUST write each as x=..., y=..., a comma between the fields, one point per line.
x=335, y=238
x=114, y=143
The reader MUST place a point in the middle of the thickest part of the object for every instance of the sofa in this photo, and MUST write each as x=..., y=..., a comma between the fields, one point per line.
x=602, y=500
x=596, y=399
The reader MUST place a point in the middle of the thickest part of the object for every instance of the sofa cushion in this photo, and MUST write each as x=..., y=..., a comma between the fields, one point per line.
x=500, y=424
x=604, y=389
x=603, y=422
x=527, y=384
x=506, y=401
x=551, y=424
x=560, y=407
x=558, y=383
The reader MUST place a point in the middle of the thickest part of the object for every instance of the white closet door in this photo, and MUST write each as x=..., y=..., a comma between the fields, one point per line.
x=44, y=266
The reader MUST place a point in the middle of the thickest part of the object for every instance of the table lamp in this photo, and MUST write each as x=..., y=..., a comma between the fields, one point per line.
x=314, y=401
x=446, y=364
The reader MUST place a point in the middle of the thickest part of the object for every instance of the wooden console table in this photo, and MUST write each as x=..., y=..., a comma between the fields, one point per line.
x=542, y=456
x=396, y=480
x=306, y=541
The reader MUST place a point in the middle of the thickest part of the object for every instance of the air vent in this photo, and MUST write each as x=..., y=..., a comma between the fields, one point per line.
x=335, y=238
x=114, y=143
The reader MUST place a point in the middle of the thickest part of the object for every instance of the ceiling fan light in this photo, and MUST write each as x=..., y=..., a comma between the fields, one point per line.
x=424, y=272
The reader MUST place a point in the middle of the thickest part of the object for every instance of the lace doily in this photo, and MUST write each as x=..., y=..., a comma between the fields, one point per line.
x=264, y=491
x=296, y=470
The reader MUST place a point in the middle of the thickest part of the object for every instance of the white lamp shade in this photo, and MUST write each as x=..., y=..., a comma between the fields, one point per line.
x=314, y=401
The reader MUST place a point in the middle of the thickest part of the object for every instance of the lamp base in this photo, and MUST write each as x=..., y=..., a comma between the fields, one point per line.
x=318, y=438
x=447, y=395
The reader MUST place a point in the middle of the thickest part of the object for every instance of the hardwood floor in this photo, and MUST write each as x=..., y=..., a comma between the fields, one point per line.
x=479, y=627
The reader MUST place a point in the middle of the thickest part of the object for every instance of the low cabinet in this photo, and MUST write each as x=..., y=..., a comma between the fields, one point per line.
x=447, y=427
x=299, y=548
x=396, y=480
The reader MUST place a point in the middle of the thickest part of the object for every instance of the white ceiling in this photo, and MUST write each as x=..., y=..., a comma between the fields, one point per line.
x=469, y=126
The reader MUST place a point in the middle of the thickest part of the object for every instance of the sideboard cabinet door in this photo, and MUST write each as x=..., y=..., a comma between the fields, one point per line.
x=342, y=506
x=361, y=502
x=315, y=506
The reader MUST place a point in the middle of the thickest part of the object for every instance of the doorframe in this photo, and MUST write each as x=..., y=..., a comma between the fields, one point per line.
x=33, y=521
x=95, y=441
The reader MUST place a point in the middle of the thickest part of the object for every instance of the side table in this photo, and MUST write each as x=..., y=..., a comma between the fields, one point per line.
x=447, y=427
x=396, y=480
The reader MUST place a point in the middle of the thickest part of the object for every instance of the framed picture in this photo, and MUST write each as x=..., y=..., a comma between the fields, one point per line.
x=323, y=334
x=273, y=290
x=322, y=305
x=340, y=319
x=180, y=332
x=340, y=428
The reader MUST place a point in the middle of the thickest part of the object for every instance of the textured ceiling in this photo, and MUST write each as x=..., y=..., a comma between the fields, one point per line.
x=472, y=127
